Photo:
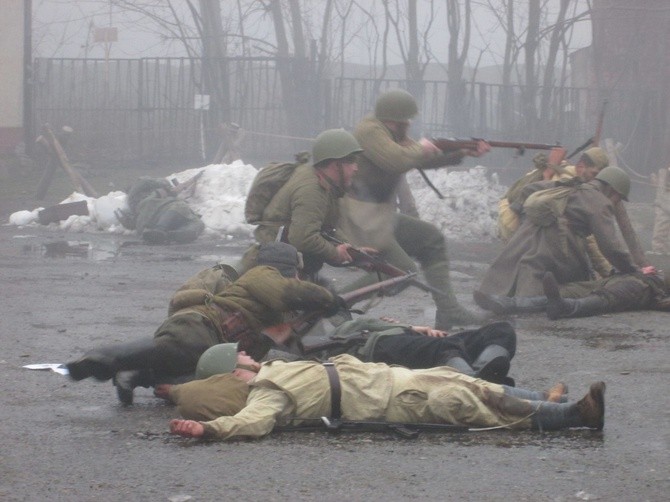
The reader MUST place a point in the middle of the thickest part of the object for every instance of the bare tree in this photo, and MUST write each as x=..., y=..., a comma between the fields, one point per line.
x=458, y=23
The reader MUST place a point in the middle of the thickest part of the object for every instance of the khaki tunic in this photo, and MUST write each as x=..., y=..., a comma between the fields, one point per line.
x=532, y=251
x=305, y=206
x=261, y=296
x=369, y=207
x=370, y=391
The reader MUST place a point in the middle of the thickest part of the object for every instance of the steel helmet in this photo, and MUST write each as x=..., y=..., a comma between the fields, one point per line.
x=217, y=359
x=617, y=178
x=397, y=105
x=334, y=144
x=598, y=157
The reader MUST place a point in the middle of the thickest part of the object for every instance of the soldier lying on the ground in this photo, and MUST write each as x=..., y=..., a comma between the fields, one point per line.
x=237, y=310
x=158, y=215
x=254, y=398
x=484, y=352
x=644, y=290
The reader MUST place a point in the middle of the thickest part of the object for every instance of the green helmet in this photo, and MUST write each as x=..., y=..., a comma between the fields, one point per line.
x=217, y=359
x=397, y=105
x=598, y=157
x=616, y=178
x=334, y=144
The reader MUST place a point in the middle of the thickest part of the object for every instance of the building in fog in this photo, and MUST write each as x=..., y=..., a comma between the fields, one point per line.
x=14, y=18
x=631, y=50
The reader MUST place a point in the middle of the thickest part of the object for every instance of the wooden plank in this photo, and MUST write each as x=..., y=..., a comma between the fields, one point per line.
x=60, y=212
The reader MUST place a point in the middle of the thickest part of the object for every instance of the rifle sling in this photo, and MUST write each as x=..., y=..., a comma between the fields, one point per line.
x=430, y=183
x=335, y=390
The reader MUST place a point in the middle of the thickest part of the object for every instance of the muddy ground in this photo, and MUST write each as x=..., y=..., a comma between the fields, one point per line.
x=64, y=440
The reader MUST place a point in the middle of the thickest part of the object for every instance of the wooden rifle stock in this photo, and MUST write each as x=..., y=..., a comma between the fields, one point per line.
x=367, y=261
x=447, y=145
x=303, y=324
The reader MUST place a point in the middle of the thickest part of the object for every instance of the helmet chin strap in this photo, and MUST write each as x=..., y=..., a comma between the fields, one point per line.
x=340, y=175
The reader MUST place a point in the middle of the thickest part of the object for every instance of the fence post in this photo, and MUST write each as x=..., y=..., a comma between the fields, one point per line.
x=140, y=104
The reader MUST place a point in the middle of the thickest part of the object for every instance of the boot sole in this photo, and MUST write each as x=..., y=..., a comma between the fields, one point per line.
x=496, y=367
x=483, y=301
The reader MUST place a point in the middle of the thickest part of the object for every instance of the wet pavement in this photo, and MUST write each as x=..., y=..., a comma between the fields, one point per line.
x=63, y=440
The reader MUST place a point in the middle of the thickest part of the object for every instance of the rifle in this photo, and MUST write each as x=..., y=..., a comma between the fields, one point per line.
x=448, y=145
x=367, y=261
x=180, y=187
x=405, y=430
x=303, y=324
x=593, y=141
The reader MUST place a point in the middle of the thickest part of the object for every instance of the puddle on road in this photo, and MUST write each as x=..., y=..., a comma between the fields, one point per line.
x=72, y=249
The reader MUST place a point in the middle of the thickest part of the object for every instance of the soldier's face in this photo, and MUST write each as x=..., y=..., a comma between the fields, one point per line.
x=585, y=169
x=349, y=168
x=399, y=128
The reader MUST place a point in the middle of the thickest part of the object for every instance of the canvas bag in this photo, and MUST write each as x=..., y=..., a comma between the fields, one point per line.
x=266, y=184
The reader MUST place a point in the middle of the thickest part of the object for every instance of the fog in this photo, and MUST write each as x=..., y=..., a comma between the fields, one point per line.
x=64, y=28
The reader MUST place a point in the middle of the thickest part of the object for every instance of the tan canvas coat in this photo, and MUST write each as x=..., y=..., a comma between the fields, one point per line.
x=370, y=391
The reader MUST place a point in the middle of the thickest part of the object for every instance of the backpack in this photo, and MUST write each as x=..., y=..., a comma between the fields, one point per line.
x=267, y=183
x=546, y=207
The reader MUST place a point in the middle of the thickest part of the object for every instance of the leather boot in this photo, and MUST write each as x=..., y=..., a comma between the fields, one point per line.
x=587, y=412
x=105, y=362
x=126, y=381
x=449, y=312
x=186, y=233
x=460, y=364
x=583, y=307
x=492, y=363
x=510, y=304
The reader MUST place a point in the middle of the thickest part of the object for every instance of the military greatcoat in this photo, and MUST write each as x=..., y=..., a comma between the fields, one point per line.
x=533, y=250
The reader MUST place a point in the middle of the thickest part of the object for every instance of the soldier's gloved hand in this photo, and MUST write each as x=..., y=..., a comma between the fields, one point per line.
x=338, y=305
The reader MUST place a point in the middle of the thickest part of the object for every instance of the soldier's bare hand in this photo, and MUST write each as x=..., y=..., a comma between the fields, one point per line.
x=390, y=319
x=187, y=428
x=162, y=390
x=482, y=148
x=372, y=251
x=429, y=148
x=343, y=255
x=556, y=156
x=649, y=270
x=431, y=332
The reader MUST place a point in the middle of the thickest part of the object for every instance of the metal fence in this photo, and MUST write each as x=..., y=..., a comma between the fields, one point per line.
x=129, y=109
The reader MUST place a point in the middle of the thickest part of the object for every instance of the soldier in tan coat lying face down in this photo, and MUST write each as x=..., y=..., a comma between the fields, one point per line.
x=252, y=398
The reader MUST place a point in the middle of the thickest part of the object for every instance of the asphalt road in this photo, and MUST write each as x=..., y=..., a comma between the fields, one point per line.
x=64, y=440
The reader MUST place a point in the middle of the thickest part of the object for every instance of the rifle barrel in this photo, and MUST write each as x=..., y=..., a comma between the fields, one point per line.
x=454, y=144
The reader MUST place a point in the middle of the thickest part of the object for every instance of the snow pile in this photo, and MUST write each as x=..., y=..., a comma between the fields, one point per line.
x=468, y=211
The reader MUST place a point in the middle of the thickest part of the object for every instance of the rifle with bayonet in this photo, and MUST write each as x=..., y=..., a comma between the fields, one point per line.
x=366, y=261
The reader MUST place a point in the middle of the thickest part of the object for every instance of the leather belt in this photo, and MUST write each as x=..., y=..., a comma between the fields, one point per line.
x=335, y=390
